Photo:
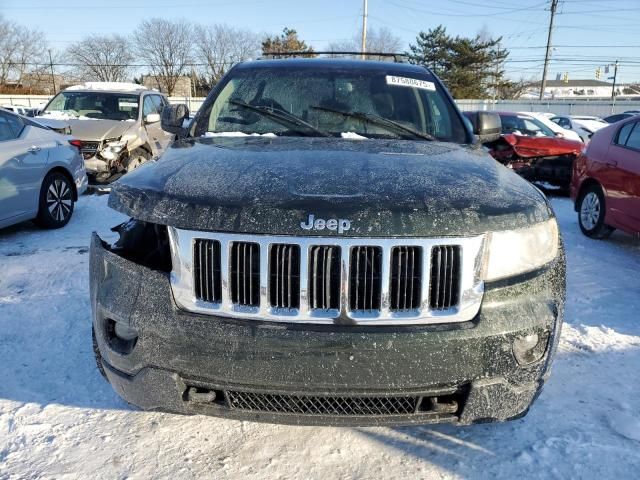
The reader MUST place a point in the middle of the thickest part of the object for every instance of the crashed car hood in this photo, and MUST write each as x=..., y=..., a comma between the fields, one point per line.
x=529, y=147
x=383, y=187
x=90, y=129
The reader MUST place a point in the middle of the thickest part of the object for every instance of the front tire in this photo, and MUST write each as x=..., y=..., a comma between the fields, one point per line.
x=591, y=212
x=55, y=205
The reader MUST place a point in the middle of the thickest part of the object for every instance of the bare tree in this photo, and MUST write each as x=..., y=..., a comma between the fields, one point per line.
x=19, y=48
x=219, y=47
x=167, y=47
x=380, y=40
x=102, y=58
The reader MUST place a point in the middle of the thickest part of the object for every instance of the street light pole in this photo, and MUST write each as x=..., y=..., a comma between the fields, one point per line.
x=543, y=86
x=613, y=88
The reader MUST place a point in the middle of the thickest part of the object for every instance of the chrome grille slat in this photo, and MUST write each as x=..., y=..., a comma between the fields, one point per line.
x=284, y=276
x=395, y=281
x=245, y=273
x=365, y=282
x=206, y=254
x=445, y=276
x=324, y=279
x=406, y=278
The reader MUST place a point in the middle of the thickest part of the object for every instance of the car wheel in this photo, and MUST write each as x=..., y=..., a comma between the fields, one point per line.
x=96, y=354
x=55, y=206
x=591, y=211
x=137, y=158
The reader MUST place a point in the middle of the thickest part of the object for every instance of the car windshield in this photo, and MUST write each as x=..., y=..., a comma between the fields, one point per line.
x=96, y=105
x=522, y=125
x=332, y=102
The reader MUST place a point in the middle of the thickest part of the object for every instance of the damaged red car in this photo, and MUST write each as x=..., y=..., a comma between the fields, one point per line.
x=533, y=150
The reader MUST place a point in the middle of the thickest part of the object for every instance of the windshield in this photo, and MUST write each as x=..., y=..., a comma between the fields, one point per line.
x=96, y=105
x=332, y=102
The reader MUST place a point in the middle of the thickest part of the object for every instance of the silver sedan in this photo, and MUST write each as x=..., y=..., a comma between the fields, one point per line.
x=41, y=173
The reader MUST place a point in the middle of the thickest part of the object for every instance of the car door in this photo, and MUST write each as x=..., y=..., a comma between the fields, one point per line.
x=164, y=138
x=23, y=158
x=154, y=130
x=623, y=175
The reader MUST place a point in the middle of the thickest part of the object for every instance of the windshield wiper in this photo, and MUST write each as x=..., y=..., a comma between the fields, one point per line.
x=380, y=121
x=283, y=117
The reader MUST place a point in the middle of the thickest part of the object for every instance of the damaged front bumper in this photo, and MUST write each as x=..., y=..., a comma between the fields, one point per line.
x=159, y=357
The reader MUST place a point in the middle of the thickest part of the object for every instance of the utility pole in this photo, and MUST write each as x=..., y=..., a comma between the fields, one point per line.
x=53, y=77
x=613, y=88
x=364, y=30
x=543, y=86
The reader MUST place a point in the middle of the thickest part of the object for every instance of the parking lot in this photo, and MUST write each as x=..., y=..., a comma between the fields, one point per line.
x=59, y=419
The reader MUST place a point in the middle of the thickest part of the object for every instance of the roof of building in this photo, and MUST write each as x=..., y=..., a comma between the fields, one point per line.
x=576, y=83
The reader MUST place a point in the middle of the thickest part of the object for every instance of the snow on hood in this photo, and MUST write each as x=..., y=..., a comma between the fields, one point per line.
x=237, y=134
x=62, y=115
x=108, y=87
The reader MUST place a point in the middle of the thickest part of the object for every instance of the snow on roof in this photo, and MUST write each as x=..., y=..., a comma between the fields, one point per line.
x=108, y=87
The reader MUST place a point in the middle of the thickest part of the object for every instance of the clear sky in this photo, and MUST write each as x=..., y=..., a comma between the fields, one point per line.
x=588, y=33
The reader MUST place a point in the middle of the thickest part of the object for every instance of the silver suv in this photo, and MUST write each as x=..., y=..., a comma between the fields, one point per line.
x=118, y=124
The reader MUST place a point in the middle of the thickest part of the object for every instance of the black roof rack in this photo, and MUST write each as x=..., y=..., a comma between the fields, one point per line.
x=397, y=57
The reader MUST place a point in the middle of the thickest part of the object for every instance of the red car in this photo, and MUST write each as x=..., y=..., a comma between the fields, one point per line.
x=605, y=184
x=533, y=150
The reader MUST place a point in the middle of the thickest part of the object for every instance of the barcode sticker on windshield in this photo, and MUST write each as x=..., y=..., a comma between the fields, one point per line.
x=410, y=82
x=127, y=104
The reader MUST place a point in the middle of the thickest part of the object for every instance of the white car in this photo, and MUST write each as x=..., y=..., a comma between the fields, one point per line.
x=41, y=173
x=557, y=129
x=583, y=125
x=16, y=109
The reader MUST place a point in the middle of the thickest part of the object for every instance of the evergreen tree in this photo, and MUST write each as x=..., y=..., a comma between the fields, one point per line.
x=470, y=67
x=288, y=41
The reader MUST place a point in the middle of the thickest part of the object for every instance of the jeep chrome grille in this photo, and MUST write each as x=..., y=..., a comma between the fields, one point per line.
x=327, y=280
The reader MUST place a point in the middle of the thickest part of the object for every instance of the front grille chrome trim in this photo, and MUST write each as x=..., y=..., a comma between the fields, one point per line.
x=470, y=294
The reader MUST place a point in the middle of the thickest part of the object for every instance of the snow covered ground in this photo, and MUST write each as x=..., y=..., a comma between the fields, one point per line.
x=59, y=419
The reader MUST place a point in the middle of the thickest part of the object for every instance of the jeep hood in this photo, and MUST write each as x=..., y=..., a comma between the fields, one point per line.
x=89, y=130
x=272, y=185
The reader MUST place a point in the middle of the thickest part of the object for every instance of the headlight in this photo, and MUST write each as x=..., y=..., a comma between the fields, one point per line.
x=115, y=146
x=513, y=252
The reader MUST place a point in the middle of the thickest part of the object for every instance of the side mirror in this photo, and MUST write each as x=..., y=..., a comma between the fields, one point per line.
x=173, y=117
x=487, y=126
x=559, y=134
x=152, y=118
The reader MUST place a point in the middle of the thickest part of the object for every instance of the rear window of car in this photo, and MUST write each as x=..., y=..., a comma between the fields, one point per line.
x=623, y=134
x=10, y=127
x=633, y=141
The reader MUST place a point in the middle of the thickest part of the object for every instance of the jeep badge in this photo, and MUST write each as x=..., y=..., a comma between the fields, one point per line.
x=341, y=224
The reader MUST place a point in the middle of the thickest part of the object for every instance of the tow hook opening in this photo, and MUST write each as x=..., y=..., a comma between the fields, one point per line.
x=121, y=338
x=530, y=348
x=203, y=395
x=442, y=404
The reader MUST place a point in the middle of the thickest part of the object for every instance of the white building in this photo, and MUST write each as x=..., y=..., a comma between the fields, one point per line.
x=573, y=89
